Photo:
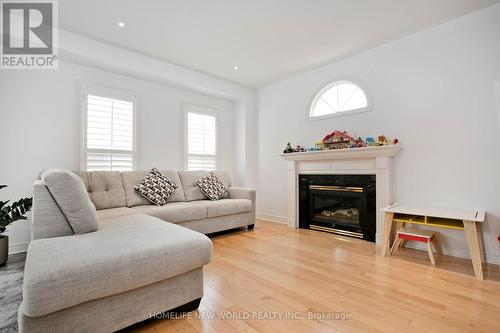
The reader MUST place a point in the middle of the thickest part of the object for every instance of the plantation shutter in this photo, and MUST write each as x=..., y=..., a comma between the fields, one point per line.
x=201, y=141
x=109, y=134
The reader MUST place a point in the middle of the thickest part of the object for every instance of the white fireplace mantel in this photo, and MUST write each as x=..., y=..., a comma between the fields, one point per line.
x=360, y=161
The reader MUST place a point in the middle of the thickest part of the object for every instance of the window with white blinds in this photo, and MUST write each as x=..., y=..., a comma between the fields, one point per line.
x=201, y=141
x=109, y=134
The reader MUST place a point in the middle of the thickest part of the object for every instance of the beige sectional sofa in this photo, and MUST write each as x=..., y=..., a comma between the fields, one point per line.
x=113, y=195
x=142, y=260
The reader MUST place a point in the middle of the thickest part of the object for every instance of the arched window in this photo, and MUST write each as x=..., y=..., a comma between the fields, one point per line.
x=339, y=98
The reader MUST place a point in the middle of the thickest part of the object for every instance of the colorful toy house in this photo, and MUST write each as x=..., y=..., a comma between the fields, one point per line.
x=336, y=140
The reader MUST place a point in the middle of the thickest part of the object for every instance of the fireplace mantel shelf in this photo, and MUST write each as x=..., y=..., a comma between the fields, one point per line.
x=351, y=153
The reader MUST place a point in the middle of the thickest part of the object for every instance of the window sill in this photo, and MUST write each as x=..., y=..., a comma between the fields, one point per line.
x=338, y=114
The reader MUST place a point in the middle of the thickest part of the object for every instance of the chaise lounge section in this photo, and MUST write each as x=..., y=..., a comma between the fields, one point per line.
x=142, y=259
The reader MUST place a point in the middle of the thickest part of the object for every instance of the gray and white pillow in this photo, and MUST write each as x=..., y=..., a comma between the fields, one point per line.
x=212, y=186
x=156, y=187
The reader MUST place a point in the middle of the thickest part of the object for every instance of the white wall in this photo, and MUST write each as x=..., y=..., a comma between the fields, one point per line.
x=40, y=126
x=438, y=91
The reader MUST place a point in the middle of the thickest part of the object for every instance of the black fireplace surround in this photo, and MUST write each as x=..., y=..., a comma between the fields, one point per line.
x=341, y=204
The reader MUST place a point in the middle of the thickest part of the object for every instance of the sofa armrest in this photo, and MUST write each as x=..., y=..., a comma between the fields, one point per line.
x=244, y=193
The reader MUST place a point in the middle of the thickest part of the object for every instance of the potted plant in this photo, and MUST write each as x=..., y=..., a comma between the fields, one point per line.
x=8, y=215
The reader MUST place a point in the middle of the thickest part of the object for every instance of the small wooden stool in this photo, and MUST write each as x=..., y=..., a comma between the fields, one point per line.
x=424, y=236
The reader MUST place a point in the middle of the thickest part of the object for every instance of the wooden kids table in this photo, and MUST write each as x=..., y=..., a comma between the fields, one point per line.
x=467, y=220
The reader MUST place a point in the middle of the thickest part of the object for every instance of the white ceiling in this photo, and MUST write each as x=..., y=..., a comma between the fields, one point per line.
x=267, y=39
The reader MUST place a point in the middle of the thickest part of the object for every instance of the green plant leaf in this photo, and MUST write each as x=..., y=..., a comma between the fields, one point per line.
x=13, y=212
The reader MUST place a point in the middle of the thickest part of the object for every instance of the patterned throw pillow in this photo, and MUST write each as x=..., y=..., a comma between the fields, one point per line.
x=212, y=186
x=156, y=187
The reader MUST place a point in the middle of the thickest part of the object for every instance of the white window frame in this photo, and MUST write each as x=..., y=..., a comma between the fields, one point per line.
x=114, y=93
x=326, y=87
x=209, y=111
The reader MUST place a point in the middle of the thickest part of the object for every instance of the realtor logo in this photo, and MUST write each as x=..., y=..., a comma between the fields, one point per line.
x=29, y=34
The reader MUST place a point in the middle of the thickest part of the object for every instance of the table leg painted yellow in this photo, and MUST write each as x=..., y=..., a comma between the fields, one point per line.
x=473, y=241
x=387, y=233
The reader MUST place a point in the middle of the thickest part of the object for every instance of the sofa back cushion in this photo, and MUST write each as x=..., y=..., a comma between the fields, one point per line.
x=105, y=188
x=132, y=178
x=47, y=218
x=192, y=191
x=71, y=196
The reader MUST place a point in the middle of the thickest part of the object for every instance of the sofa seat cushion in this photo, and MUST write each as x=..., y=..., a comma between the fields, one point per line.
x=227, y=207
x=126, y=253
x=107, y=214
x=176, y=212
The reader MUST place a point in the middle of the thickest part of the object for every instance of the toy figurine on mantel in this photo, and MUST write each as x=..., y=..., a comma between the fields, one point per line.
x=358, y=143
x=298, y=149
x=381, y=141
x=289, y=149
x=370, y=141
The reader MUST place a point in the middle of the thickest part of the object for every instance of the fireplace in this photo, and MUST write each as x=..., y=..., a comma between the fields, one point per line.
x=341, y=204
x=377, y=162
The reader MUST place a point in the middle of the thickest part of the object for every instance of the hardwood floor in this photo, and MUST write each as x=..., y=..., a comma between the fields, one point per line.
x=275, y=271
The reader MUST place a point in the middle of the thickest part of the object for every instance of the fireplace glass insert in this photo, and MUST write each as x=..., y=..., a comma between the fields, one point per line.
x=341, y=204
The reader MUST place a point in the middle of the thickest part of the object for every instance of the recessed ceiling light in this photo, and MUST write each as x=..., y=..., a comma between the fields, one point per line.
x=121, y=24
x=236, y=68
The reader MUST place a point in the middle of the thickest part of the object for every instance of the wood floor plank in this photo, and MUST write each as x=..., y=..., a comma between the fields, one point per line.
x=306, y=277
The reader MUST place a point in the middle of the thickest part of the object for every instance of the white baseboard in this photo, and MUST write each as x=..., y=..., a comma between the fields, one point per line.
x=273, y=218
x=18, y=248
x=492, y=259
